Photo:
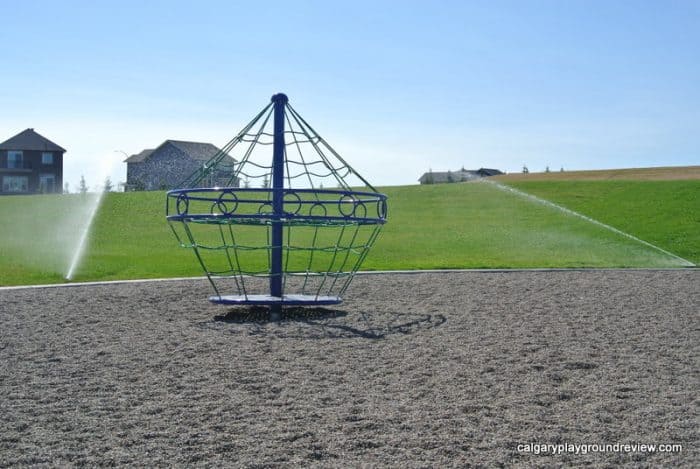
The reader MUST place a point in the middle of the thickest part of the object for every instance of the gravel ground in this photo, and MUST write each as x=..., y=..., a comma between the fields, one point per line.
x=413, y=370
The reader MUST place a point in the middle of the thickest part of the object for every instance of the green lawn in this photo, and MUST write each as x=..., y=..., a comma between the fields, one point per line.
x=663, y=213
x=475, y=225
x=470, y=225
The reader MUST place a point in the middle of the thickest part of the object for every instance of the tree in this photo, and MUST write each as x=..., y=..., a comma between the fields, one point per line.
x=546, y=169
x=561, y=170
x=108, y=185
x=525, y=170
x=82, y=188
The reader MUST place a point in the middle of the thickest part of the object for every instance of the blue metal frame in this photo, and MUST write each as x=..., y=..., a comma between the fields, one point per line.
x=280, y=101
x=279, y=209
x=324, y=198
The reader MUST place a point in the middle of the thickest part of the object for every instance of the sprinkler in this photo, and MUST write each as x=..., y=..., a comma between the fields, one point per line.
x=287, y=222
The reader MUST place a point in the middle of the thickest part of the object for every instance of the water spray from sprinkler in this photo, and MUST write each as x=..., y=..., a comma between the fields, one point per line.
x=93, y=208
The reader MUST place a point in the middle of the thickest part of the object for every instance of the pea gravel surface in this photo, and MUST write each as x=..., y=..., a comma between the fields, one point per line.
x=450, y=369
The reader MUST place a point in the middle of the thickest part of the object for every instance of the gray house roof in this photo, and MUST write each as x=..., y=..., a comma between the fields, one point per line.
x=488, y=172
x=196, y=150
x=139, y=157
x=436, y=177
x=30, y=141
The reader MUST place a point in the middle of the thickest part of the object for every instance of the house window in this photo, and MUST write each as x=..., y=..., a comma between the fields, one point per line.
x=14, y=159
x=47, y=183
x=47, y=157
x=15, y=184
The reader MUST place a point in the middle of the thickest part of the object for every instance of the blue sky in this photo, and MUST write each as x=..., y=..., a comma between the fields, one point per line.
x=395, y=87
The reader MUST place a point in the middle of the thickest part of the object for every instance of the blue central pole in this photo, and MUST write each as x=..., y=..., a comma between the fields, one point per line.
x=280, y=101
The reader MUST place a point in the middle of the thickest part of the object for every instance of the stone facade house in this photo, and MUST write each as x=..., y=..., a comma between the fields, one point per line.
x=461, y=175
x=171, y=163
x=30, y=164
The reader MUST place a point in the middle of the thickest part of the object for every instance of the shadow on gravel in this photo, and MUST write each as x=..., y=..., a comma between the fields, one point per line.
x=323, y=323
x=261, y=314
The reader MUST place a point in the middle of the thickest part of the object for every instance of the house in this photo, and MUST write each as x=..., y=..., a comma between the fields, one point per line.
x=30, y=164
x=461, y=175
x=486, y=172
x=168, y=165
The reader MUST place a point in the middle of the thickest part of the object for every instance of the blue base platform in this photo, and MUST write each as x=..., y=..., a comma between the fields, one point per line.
x=286, y=300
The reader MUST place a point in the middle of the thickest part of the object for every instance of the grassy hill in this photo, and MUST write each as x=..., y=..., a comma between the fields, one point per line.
x=663, y=213
x=469, y=225
x=662, y=173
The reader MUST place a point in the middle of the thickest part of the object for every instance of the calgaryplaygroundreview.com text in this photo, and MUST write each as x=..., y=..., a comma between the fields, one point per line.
x=583, y=448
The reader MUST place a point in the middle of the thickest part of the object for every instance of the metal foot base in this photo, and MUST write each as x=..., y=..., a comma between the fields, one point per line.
x=268, y=300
